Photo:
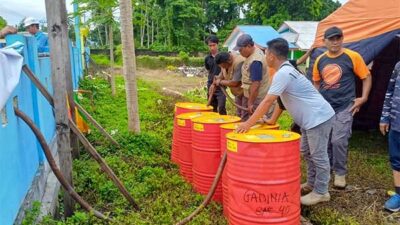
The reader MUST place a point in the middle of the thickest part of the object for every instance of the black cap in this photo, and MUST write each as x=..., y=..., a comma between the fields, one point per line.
x=243, y=41
x=332, y=32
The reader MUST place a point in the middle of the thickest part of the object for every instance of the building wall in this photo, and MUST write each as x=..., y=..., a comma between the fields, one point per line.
x=20, y=152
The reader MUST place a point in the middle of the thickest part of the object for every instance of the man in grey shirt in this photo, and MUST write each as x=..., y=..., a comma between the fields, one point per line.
x=308, y=109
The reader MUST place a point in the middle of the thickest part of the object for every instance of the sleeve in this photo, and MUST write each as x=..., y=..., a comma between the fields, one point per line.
x=359, y=67
x=256, y=71
x=387, y=106
x=316, y=76
x=279, y=84
x=237, y=72
x=43, y=45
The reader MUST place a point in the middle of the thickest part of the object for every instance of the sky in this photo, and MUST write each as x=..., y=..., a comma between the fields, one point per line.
x=13, y=11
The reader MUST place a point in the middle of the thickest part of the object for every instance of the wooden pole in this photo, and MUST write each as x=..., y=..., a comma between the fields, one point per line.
x=60, y=69
x=66, y=185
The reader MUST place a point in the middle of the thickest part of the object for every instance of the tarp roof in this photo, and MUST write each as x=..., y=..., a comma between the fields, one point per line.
x=260, y=34
x=362, y=19
x=300, y=33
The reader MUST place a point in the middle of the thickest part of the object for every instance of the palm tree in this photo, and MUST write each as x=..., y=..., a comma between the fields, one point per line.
x=129, y=65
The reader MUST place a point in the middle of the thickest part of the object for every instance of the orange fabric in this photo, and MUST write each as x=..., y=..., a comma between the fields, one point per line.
x=361, y=19
x=360, y=68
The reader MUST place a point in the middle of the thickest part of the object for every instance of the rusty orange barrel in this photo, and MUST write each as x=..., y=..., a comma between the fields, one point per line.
x=184, y=141
x=184, y=107
x=206, y=151
x=225, y=129
x=263, y=172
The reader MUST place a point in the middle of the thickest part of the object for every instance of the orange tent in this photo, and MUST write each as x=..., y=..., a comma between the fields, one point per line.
x=362, y=19
x=371, y=28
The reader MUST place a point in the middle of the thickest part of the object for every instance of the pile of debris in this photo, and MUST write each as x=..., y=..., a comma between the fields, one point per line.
x=188, y=71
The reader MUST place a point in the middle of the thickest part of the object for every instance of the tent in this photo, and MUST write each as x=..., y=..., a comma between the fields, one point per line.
x=299, y=33
x=371, y=28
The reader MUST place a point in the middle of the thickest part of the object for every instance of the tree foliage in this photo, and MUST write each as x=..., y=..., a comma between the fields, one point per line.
x=3, y=22
x=177, y=25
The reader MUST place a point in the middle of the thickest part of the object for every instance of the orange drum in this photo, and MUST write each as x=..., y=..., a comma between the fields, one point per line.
x=225, y=129
x=263, y=172
x=184, y=107
x=206, y=151
x=184, y=141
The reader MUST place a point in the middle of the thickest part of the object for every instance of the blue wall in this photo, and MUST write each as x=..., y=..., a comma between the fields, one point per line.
x=20, y=152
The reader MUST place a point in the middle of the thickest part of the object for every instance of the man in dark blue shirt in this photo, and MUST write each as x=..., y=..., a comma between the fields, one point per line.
x=218, y=99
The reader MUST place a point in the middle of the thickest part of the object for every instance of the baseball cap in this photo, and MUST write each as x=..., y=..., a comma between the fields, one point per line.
x=243, y=41
x=333, y=31
x=29, y=21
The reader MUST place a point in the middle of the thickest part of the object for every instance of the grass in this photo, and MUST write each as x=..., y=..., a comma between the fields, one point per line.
x=143, y=165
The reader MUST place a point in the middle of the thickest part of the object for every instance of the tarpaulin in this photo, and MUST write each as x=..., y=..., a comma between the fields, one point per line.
x=10, y=70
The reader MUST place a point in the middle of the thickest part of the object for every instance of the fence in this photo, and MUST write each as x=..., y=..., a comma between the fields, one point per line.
x=21, y=157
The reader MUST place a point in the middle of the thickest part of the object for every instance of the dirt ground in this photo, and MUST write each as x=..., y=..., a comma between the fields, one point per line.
x=173, y=81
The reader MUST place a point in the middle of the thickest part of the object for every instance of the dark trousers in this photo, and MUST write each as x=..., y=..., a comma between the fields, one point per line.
x=218, y=102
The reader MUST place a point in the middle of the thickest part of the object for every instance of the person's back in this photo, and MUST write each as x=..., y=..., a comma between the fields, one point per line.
x=307, y=107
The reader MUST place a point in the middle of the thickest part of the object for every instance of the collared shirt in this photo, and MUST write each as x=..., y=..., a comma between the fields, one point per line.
x=391, y=106
x=42, y=40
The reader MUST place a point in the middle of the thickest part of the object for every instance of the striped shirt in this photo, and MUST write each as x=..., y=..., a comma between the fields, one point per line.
x=391, y=106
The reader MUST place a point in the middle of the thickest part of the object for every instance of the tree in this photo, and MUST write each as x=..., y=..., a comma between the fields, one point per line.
x=129, y=65
x=3, y=22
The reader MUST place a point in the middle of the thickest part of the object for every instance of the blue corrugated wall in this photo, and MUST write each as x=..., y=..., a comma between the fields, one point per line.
x=20, y=152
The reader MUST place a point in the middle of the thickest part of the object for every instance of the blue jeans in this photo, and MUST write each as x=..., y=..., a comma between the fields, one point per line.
x=394, y=149
x=314, y=144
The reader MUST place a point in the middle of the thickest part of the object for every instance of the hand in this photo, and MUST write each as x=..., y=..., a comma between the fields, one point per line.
x=217, y=82
x=8, y=30
x=358, y=102
x=384, y=128
x=243, y=128
x=250, y=108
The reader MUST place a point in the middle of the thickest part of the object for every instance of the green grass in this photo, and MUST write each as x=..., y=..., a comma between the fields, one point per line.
x=143, y=163
x=154, y=62
x=144, y=166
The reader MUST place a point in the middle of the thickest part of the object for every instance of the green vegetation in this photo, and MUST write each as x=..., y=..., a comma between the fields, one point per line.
x=155, y=62
x=3, y=22
x=143, y=163
x=183, y=25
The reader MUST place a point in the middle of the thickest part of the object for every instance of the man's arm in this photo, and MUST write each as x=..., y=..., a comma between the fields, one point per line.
x=7, y=30
x=256, y=77
x=366, y=88
x=304, y=57
x=275, y=116
x=260, y=111
x=387, y=104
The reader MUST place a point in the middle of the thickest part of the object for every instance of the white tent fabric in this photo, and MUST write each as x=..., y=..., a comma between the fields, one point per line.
x=10, y=70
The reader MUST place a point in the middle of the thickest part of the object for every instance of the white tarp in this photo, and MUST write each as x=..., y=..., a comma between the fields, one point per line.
x=10, y=70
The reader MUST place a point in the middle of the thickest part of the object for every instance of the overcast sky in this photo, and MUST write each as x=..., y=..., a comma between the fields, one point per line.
x=15, y=10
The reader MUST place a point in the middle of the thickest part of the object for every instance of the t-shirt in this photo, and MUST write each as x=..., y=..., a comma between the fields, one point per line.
x=256, y=71
x=337, y=77
x=213, y=70
x=303, y=102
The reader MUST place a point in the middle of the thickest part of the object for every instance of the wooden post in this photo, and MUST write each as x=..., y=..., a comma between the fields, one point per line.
x=60, y=69
x=111, y=37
